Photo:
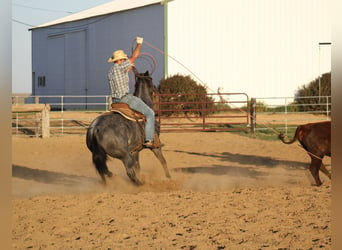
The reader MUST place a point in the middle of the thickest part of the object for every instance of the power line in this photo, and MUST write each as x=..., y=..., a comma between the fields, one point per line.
x=35, y=8
x=100, y=18
x=17, y=21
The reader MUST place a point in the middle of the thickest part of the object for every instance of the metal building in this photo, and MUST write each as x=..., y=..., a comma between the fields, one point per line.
x=69, y=55
x=264, y=48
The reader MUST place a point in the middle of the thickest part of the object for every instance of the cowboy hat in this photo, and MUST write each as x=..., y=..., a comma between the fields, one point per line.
x=117, y=55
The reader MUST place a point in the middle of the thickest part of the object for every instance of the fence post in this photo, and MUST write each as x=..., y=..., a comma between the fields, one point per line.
x=203, y=111
x=253, y=114
x=46, y=121
x=286, y=118
x=109, y=102
x=327, y=106
x=37, y=115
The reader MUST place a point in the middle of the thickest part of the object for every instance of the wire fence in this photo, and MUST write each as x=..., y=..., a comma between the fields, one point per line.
x=286, y=114
x=232, y=111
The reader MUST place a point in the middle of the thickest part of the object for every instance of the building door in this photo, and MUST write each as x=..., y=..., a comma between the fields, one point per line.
x=75, y=63
x=55, y=65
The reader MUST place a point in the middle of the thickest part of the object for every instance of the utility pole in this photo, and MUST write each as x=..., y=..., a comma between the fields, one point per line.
x=319, y=67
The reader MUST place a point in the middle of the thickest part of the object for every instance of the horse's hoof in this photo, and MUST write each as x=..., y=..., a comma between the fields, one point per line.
x=138, y=183
x=131, y=174
x=103, y=181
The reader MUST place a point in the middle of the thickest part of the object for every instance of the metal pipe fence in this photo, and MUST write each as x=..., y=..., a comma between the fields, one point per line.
x=178, y=112
x=202, y=112
x=68, y=115
x=286, y=113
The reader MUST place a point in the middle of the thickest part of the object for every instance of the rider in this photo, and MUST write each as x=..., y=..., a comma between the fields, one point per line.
x=119, y=85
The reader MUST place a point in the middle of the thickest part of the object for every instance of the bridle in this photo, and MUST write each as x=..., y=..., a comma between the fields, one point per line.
x=145, y=78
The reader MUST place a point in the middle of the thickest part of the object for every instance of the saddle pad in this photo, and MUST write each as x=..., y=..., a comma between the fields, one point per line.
x=126, y=111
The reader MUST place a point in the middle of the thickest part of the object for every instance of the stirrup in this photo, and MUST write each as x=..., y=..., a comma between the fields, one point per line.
x=148, y=144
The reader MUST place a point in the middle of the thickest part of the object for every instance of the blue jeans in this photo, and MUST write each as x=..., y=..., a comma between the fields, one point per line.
x=137, y=104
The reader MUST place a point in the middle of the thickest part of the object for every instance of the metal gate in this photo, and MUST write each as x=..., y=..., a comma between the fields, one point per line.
x=202, y=112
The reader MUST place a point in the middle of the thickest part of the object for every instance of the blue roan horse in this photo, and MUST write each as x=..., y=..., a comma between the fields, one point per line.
x=114, y=135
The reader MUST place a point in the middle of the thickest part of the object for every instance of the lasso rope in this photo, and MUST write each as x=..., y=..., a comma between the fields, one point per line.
x=164, y=53
x=147, y=56
x=191, y=72
x=263, y=124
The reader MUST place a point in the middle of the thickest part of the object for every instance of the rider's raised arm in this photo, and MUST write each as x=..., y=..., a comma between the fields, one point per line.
x=136, y=51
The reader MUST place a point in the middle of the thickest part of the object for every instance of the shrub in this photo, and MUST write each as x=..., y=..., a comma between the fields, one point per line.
x=292, y=107
x=306, y=96
x=260, y=107
x=185, y=94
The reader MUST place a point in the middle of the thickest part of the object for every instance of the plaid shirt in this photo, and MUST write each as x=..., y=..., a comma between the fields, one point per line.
x=118, y=79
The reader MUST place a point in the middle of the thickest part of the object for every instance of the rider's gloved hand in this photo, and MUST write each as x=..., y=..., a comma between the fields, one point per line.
x=139, y=40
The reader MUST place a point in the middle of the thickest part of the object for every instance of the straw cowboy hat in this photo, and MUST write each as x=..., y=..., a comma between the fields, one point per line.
x=117, y=55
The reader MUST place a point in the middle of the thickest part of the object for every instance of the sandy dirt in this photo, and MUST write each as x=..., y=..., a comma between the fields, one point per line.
x=227, y=191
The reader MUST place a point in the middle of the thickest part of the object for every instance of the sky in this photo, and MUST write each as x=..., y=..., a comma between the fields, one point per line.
x=27, y=14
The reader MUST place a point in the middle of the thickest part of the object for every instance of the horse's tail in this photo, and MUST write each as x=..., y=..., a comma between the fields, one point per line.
x=99, y=155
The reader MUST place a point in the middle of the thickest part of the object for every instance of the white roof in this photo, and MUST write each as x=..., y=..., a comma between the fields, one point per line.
x=103, y=9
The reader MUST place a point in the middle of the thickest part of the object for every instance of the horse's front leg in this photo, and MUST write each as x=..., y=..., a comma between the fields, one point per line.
x=131, y=164
x=137, y=164
x=158, y=153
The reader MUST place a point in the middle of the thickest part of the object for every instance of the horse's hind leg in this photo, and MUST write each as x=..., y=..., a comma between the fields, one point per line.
x=325, y=171
x=131, y=164
x=314, y=169
x=100, y=162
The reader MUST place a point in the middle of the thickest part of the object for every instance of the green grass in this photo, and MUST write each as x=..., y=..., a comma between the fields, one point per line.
x=268, y=134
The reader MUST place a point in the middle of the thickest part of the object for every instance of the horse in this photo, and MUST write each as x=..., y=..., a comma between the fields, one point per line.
x=111, y=134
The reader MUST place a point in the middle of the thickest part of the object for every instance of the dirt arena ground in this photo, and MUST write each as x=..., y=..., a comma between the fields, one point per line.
x=227, y=191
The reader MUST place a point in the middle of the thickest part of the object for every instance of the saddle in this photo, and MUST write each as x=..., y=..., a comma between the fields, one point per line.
x=127, y=112
x=132, y=115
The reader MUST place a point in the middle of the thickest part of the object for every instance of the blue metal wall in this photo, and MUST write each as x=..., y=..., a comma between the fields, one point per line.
x=73, y=56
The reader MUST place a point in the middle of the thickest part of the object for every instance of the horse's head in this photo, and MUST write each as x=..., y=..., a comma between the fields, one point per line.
x=144, y=87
